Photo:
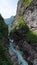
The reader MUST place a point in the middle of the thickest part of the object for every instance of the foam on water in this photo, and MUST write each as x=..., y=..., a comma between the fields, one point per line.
x=18, y=53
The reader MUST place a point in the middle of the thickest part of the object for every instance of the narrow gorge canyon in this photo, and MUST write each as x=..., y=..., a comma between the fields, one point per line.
x=24, y=30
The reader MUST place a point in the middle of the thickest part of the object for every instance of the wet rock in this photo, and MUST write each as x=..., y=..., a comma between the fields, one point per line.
x=17, y=47
x=35, y=62
x=13, y=57
x=30, y=16
x=11, y=53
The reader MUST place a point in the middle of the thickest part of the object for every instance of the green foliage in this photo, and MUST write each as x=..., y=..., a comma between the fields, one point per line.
x=23, y=31
x=3, y=27
x=21, y=24
x=27, y=3
x=4, y=55
x=31, y=37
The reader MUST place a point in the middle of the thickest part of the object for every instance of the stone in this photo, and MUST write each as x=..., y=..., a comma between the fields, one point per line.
x=35, y=62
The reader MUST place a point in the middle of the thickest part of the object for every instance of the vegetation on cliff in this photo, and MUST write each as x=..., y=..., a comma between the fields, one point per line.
x=4, y=55
x=3, y=28
x=22, y=35
x=22, y=31
x=27, y=3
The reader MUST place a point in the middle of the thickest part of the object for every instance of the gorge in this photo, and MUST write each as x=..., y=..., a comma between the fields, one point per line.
x=24, y=29
x=19, y=46
x=18, y=53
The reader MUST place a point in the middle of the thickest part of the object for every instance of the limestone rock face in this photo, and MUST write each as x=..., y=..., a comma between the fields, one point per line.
x=20, y=8
x=35, y=62
x=31, y=17
x=29, y=14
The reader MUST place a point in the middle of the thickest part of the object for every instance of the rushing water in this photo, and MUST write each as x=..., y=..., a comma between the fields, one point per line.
x=18, y=54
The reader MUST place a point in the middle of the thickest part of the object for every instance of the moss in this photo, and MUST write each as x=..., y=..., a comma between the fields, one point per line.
x=27, y=3
x=31, y=37
x=22, y=31
x=21, y=23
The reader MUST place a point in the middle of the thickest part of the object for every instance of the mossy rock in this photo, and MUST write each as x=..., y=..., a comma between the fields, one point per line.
x=27, y=3
x=22, y=31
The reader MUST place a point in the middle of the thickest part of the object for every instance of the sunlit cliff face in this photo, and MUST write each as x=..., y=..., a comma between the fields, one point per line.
x=29, y=14
x=31, y=17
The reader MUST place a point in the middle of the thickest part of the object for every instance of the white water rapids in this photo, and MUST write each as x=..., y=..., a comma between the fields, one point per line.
x=18, y=53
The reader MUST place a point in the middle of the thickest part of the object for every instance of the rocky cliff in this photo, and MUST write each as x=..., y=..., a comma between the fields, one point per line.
x=24, y=29
x=28, y=10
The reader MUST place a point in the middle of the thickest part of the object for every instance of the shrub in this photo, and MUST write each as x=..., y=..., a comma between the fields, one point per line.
x=22, y=31
x=4, y=56
x=27, y=3
x=3, y=28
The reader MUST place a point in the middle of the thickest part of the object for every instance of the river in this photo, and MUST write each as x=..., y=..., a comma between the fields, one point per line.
x=18, y=53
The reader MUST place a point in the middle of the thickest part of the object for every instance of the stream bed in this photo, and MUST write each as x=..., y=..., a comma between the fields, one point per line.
x=20, y=60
